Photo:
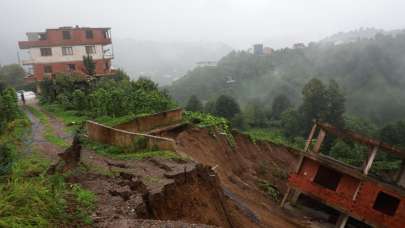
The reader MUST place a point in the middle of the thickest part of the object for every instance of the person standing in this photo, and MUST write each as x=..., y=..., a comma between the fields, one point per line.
x=23, y=98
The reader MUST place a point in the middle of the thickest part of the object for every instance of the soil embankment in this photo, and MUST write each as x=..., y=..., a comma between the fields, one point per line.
x=240, y=168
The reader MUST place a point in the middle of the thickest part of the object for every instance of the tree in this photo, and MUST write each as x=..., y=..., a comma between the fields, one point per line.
x=194, y=104
x=394, y=133
x=12, y=75
x=315, y=103
x=280, y=104
x=291, y=123
x=209, y=107
x=226, y=107
x=89, y=65
x=336, y=105
x=255, y=115
x=8, y=106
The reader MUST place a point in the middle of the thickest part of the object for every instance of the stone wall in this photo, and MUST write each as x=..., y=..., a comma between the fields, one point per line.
x=117, y=137
x=150, y=122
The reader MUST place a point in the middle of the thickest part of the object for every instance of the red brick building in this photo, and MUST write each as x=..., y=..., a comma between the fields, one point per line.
x=347, y=189
x=61, y=50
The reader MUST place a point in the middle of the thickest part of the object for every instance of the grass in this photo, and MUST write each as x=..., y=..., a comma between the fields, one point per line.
x=271, y=191
x=213, y=123
x=274, y=136
x=71, y=119
x=31, y=198
x=119, y=154
x=49, y=133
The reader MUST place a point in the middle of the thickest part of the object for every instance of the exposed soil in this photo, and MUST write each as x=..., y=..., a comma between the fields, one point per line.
x=139, y=193
x=221, y=191
x=241, y=167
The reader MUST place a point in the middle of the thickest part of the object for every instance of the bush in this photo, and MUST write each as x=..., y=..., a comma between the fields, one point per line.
x=106, y=97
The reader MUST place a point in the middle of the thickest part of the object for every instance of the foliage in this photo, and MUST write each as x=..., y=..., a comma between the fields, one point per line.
x=12, y=75
x=291, y=123
x=118, y=153
x=194, y=104
x=336, y=105
x=280, y=104
x=8, y=106
x=106, y=97
x=30, y=197
x=254, y=115
x=275, y=136
x=394, y=133
x=370, y=71
x=226, y=107
x=11, y=140
x=215, y=123
x=270, y=190
x=314, y=104
x=89, y=65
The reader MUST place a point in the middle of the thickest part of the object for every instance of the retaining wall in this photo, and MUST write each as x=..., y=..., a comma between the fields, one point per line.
x=117, y=137
x=150, y=122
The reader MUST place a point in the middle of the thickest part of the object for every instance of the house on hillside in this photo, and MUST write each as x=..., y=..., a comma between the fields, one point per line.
x=61, y=50
x=349, y=194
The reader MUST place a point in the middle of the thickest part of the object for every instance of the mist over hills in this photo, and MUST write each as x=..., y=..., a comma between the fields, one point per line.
x=164, y=61
x=370, y=70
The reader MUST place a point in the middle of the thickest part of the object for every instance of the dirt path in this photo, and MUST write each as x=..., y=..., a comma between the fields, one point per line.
x=37, y=141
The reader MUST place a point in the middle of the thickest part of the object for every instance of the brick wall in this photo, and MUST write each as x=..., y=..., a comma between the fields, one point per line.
x=78, y=37
x=342, y=198
x=63, y=67
x=150, y=122
x=108, y=135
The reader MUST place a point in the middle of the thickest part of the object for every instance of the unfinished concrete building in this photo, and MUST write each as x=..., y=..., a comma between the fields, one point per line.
x=352, y=191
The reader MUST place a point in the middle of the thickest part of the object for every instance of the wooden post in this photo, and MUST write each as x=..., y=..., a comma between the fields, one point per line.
x=286, y=196
x=309, y=140
x=319, y=141
x=342, y=220
x=370, y=160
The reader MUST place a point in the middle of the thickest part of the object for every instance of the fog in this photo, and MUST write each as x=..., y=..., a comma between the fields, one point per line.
x=237, y=23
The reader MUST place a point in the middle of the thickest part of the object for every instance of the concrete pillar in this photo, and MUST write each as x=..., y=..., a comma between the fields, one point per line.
x=370, y=160
x=319, y=141
x=290, y=196
x=342, y=220
x=295, y=195
x=309, y=140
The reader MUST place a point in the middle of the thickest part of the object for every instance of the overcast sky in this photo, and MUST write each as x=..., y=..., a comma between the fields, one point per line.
x=238, y=23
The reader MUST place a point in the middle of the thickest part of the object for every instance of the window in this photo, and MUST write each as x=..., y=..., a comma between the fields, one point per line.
x=67, y=51
x=71, y=67
x=90, y=49
x=386, y=204
x=48, y=69
x=89, y=34
x=46, y=51
x=66, y=35
x=106, y=34
x=327, y=178
x=43, y=36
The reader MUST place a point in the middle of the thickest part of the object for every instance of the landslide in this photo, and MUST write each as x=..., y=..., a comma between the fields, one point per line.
x=241, y=167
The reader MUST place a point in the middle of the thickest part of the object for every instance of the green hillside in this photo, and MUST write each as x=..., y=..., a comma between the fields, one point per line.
x=370, y=71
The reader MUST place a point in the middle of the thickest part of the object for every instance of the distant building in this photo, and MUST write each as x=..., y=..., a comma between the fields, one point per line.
x=61, y=50
x=267, y=51
x=206, y=63
x=299, y=45
x=258, y=49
